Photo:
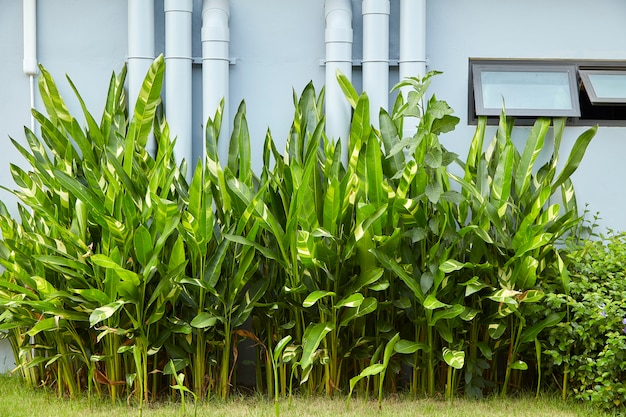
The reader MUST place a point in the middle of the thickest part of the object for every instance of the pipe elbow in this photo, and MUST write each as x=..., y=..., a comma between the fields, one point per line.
x=215, y=18
x=338, y=21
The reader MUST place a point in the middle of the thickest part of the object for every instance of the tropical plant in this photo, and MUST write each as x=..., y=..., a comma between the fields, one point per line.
x=388, y=270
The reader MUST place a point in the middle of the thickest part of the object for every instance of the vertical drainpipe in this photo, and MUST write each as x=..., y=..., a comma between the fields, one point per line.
x=412, y=47
x=140, y=51
x=178, y=60
x=376, y=55
x=338, y=38
x=215, y=66
x=29, y=65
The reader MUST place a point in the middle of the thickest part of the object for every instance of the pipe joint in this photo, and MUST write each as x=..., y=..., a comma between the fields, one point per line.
x=376, y=7
x=213, y=33
x=178, y=6
x=338, y=34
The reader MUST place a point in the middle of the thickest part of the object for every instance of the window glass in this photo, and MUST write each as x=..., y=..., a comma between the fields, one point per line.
x=525, y=90
x=605, y=86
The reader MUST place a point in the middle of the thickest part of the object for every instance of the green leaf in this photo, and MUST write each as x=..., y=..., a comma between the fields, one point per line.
x=449, y=313
x=530, y=333
x=104, y=312
x=280, y=346
x=534, y=144
x=431, y=303
x=313, y=336
x=315, y=296
x=204, y=320
x=143, y=245
x=575, y=156
x=351, y=301
x=349, y=91
x=407, y=347
x=496, y=330
x=454, y=358
x=148, y=99
x=519, y=365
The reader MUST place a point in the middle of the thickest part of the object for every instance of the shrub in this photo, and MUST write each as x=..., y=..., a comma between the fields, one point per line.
x=590, y=346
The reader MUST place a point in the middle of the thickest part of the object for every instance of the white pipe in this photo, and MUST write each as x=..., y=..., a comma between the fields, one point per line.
x=412, y=47
x=29, y=65
x=140, y=51
x=215, y=66
x=338, y=38
x=376, y=55
x=178, y=61
x=412, y=38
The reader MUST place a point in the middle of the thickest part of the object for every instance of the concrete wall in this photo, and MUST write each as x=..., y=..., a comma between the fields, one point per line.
x=459, y=29
x=278, y=46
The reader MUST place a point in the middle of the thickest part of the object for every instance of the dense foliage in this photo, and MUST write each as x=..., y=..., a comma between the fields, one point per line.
x=382, y=272
x=589, y=348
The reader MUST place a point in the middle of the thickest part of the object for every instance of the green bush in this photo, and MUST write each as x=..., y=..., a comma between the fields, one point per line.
x=384, y=272
x=590, y=346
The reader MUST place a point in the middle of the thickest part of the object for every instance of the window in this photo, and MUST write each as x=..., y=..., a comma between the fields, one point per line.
x=587, y=92
x=604, y=86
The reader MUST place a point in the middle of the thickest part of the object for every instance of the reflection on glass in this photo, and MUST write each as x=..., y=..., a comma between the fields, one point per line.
x=526, y=90
x=609, y=85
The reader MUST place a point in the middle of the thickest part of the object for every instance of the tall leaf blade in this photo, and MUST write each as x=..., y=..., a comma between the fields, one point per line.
x=145, y=109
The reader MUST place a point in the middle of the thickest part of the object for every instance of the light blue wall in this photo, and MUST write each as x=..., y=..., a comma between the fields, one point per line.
x=576, y=29
x=279, y=44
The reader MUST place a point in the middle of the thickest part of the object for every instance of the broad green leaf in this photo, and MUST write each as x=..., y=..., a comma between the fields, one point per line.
x=519, y=365
x=371, y=370
x=453, y=265
x=351, y=301
x=431, y=303
x=485, y=350
x=407, y=347
x=280, y=346
x=496, y=330
x=525, y=272
x=575, y=156
x=454, y=358
x=315, y=296
x=346, y=86
x=148, y=99
x=473, y=286
x=313, y=336
x=530, y=333
x=50, y=323
x=449, y=313
x=204, y=320
x=505, y=296
x=534, y=144
x=143, y=245
x=104, y=312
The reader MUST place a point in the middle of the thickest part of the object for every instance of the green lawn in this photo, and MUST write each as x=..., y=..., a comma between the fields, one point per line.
x=19, y=401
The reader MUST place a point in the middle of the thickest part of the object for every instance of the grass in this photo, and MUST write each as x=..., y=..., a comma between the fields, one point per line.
x=19, y=401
